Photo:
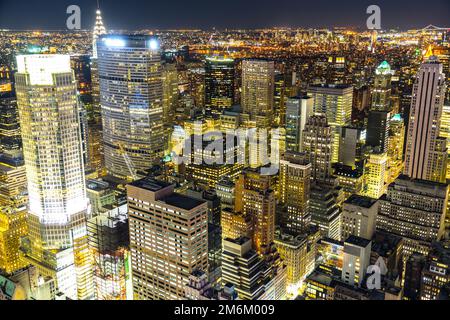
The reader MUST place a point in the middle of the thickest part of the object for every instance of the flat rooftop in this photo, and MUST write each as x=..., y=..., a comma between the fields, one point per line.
x=182, y=201
x=358, y=241
x=150, y=184
x=361, y=201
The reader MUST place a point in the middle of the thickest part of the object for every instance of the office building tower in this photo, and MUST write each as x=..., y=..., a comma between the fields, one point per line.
x=298, y=254
x=426, y=152
x=236, y=224
x=100, y=194
x=109, y=246
x=415, y=210
x=13, y=212
x=285, y=87
x=351, y=144
x=350, y=180
x=318, y=143
x=413, y=276
x=381, y=90
x=298, y=110
x=356, y=260
x=378, y=130
x=445, y=132
x=358, y=217
x=214, y=229
x=207, y=167
x=376, y=173
x=200, y=288
x=95, y=132
x=10, y=139
x=436, y=271
x=168, y=239
x=225, y=191
x=49, y=119
x=254, y=277
x=395, y=147
x=255, y=197
x=325, y=210
x=219, y=83
x=335, y=102
x=170, y=98
x=131, y=99
x=99, y=29
x=257, y=95
x=294, y=187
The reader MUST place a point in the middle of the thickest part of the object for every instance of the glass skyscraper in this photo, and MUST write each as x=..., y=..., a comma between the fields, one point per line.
x=49, y=118
x=131, y=95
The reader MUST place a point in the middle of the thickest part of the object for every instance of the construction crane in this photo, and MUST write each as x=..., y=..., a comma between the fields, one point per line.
x=128, y=162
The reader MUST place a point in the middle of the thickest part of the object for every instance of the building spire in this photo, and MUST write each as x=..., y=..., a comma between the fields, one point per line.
x=429, y=52
x=99, y=29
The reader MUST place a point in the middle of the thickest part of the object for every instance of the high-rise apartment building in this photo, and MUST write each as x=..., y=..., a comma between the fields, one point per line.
x=168, y=239
x=131, y=97
x=426, y=152
x=49, y=119
x=219, y=83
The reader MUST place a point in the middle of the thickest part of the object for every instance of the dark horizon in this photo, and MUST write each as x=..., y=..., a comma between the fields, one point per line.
x=233, y=14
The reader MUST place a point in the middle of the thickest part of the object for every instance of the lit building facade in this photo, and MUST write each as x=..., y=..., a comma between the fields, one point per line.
x=131, y=95
x=257, y=96
x=318, y=143
x=415, y=210
x=298, y=110
x=294, y=187
x=55, y=172
x=358, y=217
x=219, y=83
x=335, y=102
x=168, y=239
x=426, y=152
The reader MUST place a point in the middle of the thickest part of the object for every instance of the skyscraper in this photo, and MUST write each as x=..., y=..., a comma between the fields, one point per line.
x=294, y=187
x=95, y=133
x=426, y=152
x=298, y=110
x=49, y=118
x=379, y=114
x=334, y=102
x=257, y=95
x=219, y=83
x=318, y=144
x=255, y=197
x=131, y=98
x=168, y=239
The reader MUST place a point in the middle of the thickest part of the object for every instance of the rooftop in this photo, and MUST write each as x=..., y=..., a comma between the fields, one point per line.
x=182, y=201
x=150, y=184
x=358, y=241
x=361, y=201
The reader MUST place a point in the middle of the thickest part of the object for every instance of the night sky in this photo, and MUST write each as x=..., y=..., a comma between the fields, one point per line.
x=206, y=14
